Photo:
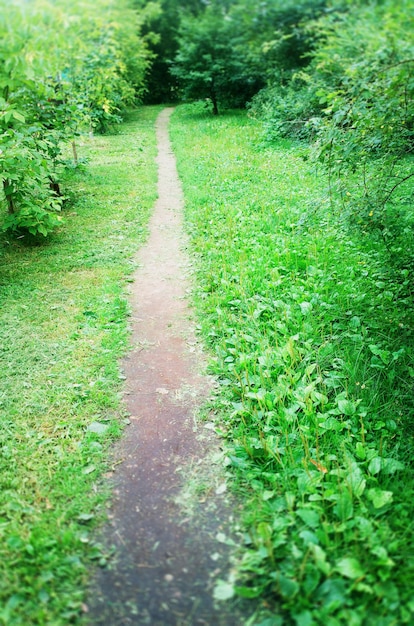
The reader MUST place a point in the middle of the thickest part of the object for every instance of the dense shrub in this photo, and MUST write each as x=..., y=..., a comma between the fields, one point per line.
x=355, y=101
x=62, y=71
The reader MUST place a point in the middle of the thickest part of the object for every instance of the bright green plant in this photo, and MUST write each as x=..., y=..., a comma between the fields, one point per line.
x=27, y=176
x=63, y=328
x=25, y=173
x=107, y=74
x=355, y=99
x=63, y=70
x=32, y=203
x=366, y=134
x=311, y=342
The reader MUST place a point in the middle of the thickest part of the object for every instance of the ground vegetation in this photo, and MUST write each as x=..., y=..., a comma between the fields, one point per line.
x=311, y=340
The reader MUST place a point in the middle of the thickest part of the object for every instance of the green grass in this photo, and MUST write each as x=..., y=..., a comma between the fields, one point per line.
x=310, y=334
x=63, y=327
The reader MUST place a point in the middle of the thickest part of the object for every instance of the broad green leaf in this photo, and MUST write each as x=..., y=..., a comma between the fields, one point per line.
x=332, y=593
x=344, y=507
x=350, y=568
x=347, y=407
x=248, y=592
x=374, y=466
x=390, y=466
x=356, y=481
x=98, y=428
x=288, y=587
x=304, y=619
x=308, y=537
x=321, y=559
x=309, y=516
x=360, y=451
x=85, y=517
x=18, y=116
x=380, y=498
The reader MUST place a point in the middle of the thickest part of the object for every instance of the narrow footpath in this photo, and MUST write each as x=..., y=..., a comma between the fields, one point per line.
x=166, y=561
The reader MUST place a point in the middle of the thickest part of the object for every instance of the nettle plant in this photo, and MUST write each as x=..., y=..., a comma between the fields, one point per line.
x=28, y=179
x=61, y=73
x=31, y=128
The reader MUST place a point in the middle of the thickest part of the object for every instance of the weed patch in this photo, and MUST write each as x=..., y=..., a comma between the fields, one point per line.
x=311, y=338
x=63, y=328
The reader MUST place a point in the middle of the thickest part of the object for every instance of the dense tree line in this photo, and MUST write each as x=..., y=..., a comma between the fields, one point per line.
x=226, y=50
x=336, y=73
x=333, y=72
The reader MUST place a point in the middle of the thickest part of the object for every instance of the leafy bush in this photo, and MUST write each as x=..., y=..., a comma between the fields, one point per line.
x=355, y=101
x=367, y=132
x=32, y=202
x=62, y=71
x=292, y=110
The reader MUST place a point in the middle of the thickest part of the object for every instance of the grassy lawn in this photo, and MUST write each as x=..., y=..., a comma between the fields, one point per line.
x=310, y=333
x=63, y=327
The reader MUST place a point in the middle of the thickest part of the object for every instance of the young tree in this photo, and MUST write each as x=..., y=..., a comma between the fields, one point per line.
x=211, y=62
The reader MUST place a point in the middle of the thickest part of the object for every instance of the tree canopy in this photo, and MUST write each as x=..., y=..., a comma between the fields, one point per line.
x=211, y=59
x=227, y=50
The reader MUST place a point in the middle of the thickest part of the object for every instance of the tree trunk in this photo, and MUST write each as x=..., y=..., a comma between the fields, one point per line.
x=75, y=154
x=215, y=107
x=54, y=186
x=213, y=97
x=8, y=192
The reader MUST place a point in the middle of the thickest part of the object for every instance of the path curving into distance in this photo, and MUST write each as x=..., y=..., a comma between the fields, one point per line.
x=165, y=561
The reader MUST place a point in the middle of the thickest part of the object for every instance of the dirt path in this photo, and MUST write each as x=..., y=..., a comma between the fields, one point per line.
x=165, y=562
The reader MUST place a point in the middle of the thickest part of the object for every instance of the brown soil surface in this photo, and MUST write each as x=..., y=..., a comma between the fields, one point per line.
x=166, y=560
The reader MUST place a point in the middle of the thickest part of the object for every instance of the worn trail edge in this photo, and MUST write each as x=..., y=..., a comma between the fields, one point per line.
x=163, y=571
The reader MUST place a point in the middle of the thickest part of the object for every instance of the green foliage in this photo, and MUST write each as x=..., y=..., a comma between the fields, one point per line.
x=367, y=125
x=211, y=61
x=109, y=73
x=227, y=52
x=355, y=100
x=311, y=341
x=63, y=328
x=62, y=71
x=279, y=33
x=161, y=33
x=26, y=177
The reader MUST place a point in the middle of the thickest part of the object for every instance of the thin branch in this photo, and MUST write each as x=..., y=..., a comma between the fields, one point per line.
x=400, y=182
x=390, y=67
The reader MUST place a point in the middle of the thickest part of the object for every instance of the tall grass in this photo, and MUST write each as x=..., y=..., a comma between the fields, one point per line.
x=63, y=327
x=311, y=338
